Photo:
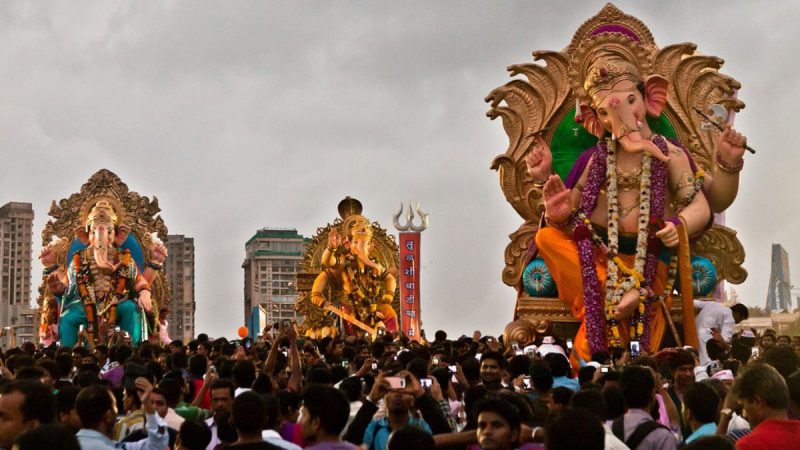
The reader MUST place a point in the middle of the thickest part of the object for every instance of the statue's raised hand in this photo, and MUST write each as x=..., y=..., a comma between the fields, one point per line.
x=158, y=253
x=730, y=145
x=539, y=160
x=334, y=240
x=48, y=255
x=556, y=199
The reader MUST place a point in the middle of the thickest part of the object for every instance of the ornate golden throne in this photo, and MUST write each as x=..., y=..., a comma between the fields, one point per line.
x=540, y=97
x=132, y=209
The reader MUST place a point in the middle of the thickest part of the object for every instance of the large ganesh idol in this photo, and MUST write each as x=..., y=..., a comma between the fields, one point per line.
x=606, y=221
x=104, y=271
x=353, y=263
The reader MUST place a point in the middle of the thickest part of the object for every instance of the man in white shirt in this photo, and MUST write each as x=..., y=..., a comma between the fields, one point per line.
x=221, y=402
x=716, y=316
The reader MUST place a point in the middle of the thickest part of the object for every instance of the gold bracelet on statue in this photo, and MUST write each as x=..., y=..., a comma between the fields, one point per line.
x=553, y=224
x=539, y=184
x=730, y=168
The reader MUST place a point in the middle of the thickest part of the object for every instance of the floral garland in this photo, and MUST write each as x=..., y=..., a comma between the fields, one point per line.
x=631, y=278
x=122, y=282
x=653, y=192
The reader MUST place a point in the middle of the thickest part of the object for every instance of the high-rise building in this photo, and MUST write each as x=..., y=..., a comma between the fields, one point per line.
x=272, y=260
x=779, y=292
x=179, y=268
x=16, y=240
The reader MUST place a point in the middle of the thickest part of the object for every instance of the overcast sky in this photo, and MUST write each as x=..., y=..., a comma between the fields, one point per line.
x=240, y=115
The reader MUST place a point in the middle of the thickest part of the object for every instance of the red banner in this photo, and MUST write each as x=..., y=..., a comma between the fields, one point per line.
x=409, y=285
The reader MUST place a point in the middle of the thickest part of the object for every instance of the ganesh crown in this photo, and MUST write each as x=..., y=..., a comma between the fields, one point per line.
x=605, y=73
x=102, y=212
x=360, y=227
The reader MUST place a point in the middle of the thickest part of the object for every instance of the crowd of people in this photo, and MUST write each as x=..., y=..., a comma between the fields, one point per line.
x=474, y=392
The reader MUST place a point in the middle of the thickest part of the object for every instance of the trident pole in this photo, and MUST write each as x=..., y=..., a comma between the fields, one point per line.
x=409, y=273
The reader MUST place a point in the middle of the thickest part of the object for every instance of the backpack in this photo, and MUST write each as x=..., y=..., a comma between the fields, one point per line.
x=638, y=435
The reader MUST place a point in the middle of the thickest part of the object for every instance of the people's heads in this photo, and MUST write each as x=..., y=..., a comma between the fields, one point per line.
x=559, y=364
x=24, y=405
x=492, y=366
x=498, y=424
x=541, y=377
x=739, y=312
x=761, y=390
x=638, y=387
x=782, y=358
x=244, y=374
x=398, y=402
x=701, y=403
x=193, y=435
x=767, y=341
x=222, y=392
x=324, y=412
x=440, y=336
x=410, y=437
x=784, y=340
x=249, y=413
x=96, y=408
x=65, y=408
x=559, y=398
x=574, y=428
x=52, y=436
x=173, y=388
x=682, y=365
x=615, y=402
x=591, y=400
x=158, y=398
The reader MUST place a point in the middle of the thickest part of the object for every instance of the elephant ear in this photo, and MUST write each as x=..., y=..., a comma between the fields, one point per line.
x=590, y=121
x=655, y=94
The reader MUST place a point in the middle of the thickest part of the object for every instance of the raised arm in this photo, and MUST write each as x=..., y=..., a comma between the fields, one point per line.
x=296, y=379
x=724, y=186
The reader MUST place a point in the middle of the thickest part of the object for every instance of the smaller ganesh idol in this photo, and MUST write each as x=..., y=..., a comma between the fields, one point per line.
x=352, y=272
x=101, y=285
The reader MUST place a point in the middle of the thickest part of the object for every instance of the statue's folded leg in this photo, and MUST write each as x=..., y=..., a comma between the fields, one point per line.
x=561, y=256
x=68, y=325
x=129, y=319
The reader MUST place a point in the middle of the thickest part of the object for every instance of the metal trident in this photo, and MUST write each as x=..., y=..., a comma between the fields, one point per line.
x=410, y=219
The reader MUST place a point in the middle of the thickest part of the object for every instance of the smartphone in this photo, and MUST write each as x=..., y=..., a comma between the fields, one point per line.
x=435, y=361
x=116, y=329
x=426, y=383
x=526, y=381
x=478, y=356
x=80, y=328
x=569, y=344
x=634, y=349
x=452, y=369
x=346, y=363
x=374, y=367
x=604, y=369
x=396, y=382
x=517, y=350
x=754, y=352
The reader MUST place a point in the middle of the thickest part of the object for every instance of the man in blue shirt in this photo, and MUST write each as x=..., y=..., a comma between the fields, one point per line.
x=701, y=404
x=398, y=404
x=97, y=409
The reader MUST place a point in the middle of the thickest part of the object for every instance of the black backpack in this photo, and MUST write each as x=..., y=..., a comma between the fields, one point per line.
x=638, y=435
